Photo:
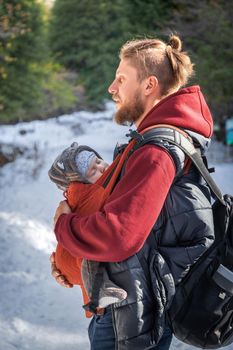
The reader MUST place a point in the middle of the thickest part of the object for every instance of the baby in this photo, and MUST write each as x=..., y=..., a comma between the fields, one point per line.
x=75, y=171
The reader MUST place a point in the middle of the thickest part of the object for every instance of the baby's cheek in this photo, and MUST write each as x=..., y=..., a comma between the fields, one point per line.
x=97, y=175
x=92, y=179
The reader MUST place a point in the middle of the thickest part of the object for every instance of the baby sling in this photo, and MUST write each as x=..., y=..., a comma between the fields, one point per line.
x=86, y=199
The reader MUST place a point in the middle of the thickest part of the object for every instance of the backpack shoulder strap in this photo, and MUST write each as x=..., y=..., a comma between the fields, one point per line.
x=173, y=135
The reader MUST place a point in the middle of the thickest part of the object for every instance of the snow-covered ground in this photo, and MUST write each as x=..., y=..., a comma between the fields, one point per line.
x=35, y=312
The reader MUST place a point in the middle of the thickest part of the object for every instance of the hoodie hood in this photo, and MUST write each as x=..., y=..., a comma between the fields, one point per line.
x=185, y=109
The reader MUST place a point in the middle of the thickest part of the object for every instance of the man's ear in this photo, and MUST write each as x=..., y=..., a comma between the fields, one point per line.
x=151, y=85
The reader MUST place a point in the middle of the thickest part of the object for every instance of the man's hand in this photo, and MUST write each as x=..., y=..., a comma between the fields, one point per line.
x=63, y=208
x=57, y=273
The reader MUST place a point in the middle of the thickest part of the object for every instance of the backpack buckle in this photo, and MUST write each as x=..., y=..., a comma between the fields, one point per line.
x=133, y=134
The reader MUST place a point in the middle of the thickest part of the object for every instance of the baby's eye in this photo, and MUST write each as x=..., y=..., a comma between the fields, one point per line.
x=98, y=160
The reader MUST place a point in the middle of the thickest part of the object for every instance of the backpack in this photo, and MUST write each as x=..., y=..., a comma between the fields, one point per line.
x=201, y=311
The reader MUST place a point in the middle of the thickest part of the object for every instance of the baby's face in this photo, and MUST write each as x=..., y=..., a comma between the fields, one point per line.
x=96, y=169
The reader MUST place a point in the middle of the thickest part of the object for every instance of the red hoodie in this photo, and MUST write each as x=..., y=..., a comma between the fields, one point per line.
x=120, y=229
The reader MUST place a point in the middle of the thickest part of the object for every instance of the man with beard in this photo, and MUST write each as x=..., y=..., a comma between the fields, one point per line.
x=148, y=90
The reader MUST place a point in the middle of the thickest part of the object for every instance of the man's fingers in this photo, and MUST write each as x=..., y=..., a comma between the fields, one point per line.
x=63, y=282
x=52, y=258
x=57, y=273
x=54, y=270
x=60, y=279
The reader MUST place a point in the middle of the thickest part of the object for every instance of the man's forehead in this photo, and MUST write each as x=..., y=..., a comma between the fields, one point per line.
x=124, y=67
x=120, y=69
x=119, y=72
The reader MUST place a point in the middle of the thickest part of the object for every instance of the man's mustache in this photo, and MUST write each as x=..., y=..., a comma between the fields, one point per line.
x=115, y=98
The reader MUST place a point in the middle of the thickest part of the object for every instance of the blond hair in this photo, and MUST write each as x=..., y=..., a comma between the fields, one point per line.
x=167, y=62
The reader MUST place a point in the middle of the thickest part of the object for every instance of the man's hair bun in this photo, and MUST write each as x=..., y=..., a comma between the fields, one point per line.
x=175, y=42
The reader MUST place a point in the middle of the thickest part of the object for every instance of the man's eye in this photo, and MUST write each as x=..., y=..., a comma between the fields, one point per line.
x=98, y=160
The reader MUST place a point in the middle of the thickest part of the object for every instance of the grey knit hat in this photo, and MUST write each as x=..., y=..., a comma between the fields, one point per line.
x=83, y=160
x=65, y=169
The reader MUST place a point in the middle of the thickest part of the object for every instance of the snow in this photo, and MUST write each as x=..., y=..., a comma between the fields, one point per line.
x=35, y=312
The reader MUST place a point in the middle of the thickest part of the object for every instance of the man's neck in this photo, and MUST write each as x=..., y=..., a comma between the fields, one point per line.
x=151, y=104
x=147, y=110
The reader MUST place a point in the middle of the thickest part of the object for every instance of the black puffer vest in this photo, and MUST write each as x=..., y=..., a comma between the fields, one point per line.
x=183, y=231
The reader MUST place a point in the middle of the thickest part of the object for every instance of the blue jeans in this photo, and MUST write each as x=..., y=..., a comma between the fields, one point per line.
x=102, y=337
x=101, y=333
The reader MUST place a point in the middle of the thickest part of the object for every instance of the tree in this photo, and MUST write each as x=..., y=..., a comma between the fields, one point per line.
x=148, y=18
x=21, y=52
x=86, y=37
x=206, y=28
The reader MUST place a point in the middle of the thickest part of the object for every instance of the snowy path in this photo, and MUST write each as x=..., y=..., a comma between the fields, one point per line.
x=35, y=312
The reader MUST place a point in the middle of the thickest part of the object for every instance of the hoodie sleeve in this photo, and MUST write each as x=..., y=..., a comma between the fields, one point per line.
x=121, y=228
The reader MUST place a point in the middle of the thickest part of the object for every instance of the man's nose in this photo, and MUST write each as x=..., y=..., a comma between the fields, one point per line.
x=112, y=88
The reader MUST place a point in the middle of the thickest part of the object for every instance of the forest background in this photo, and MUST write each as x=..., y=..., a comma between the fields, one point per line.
x=59, y=56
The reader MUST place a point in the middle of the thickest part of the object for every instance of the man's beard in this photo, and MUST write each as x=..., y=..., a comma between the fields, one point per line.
x=130, y=112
